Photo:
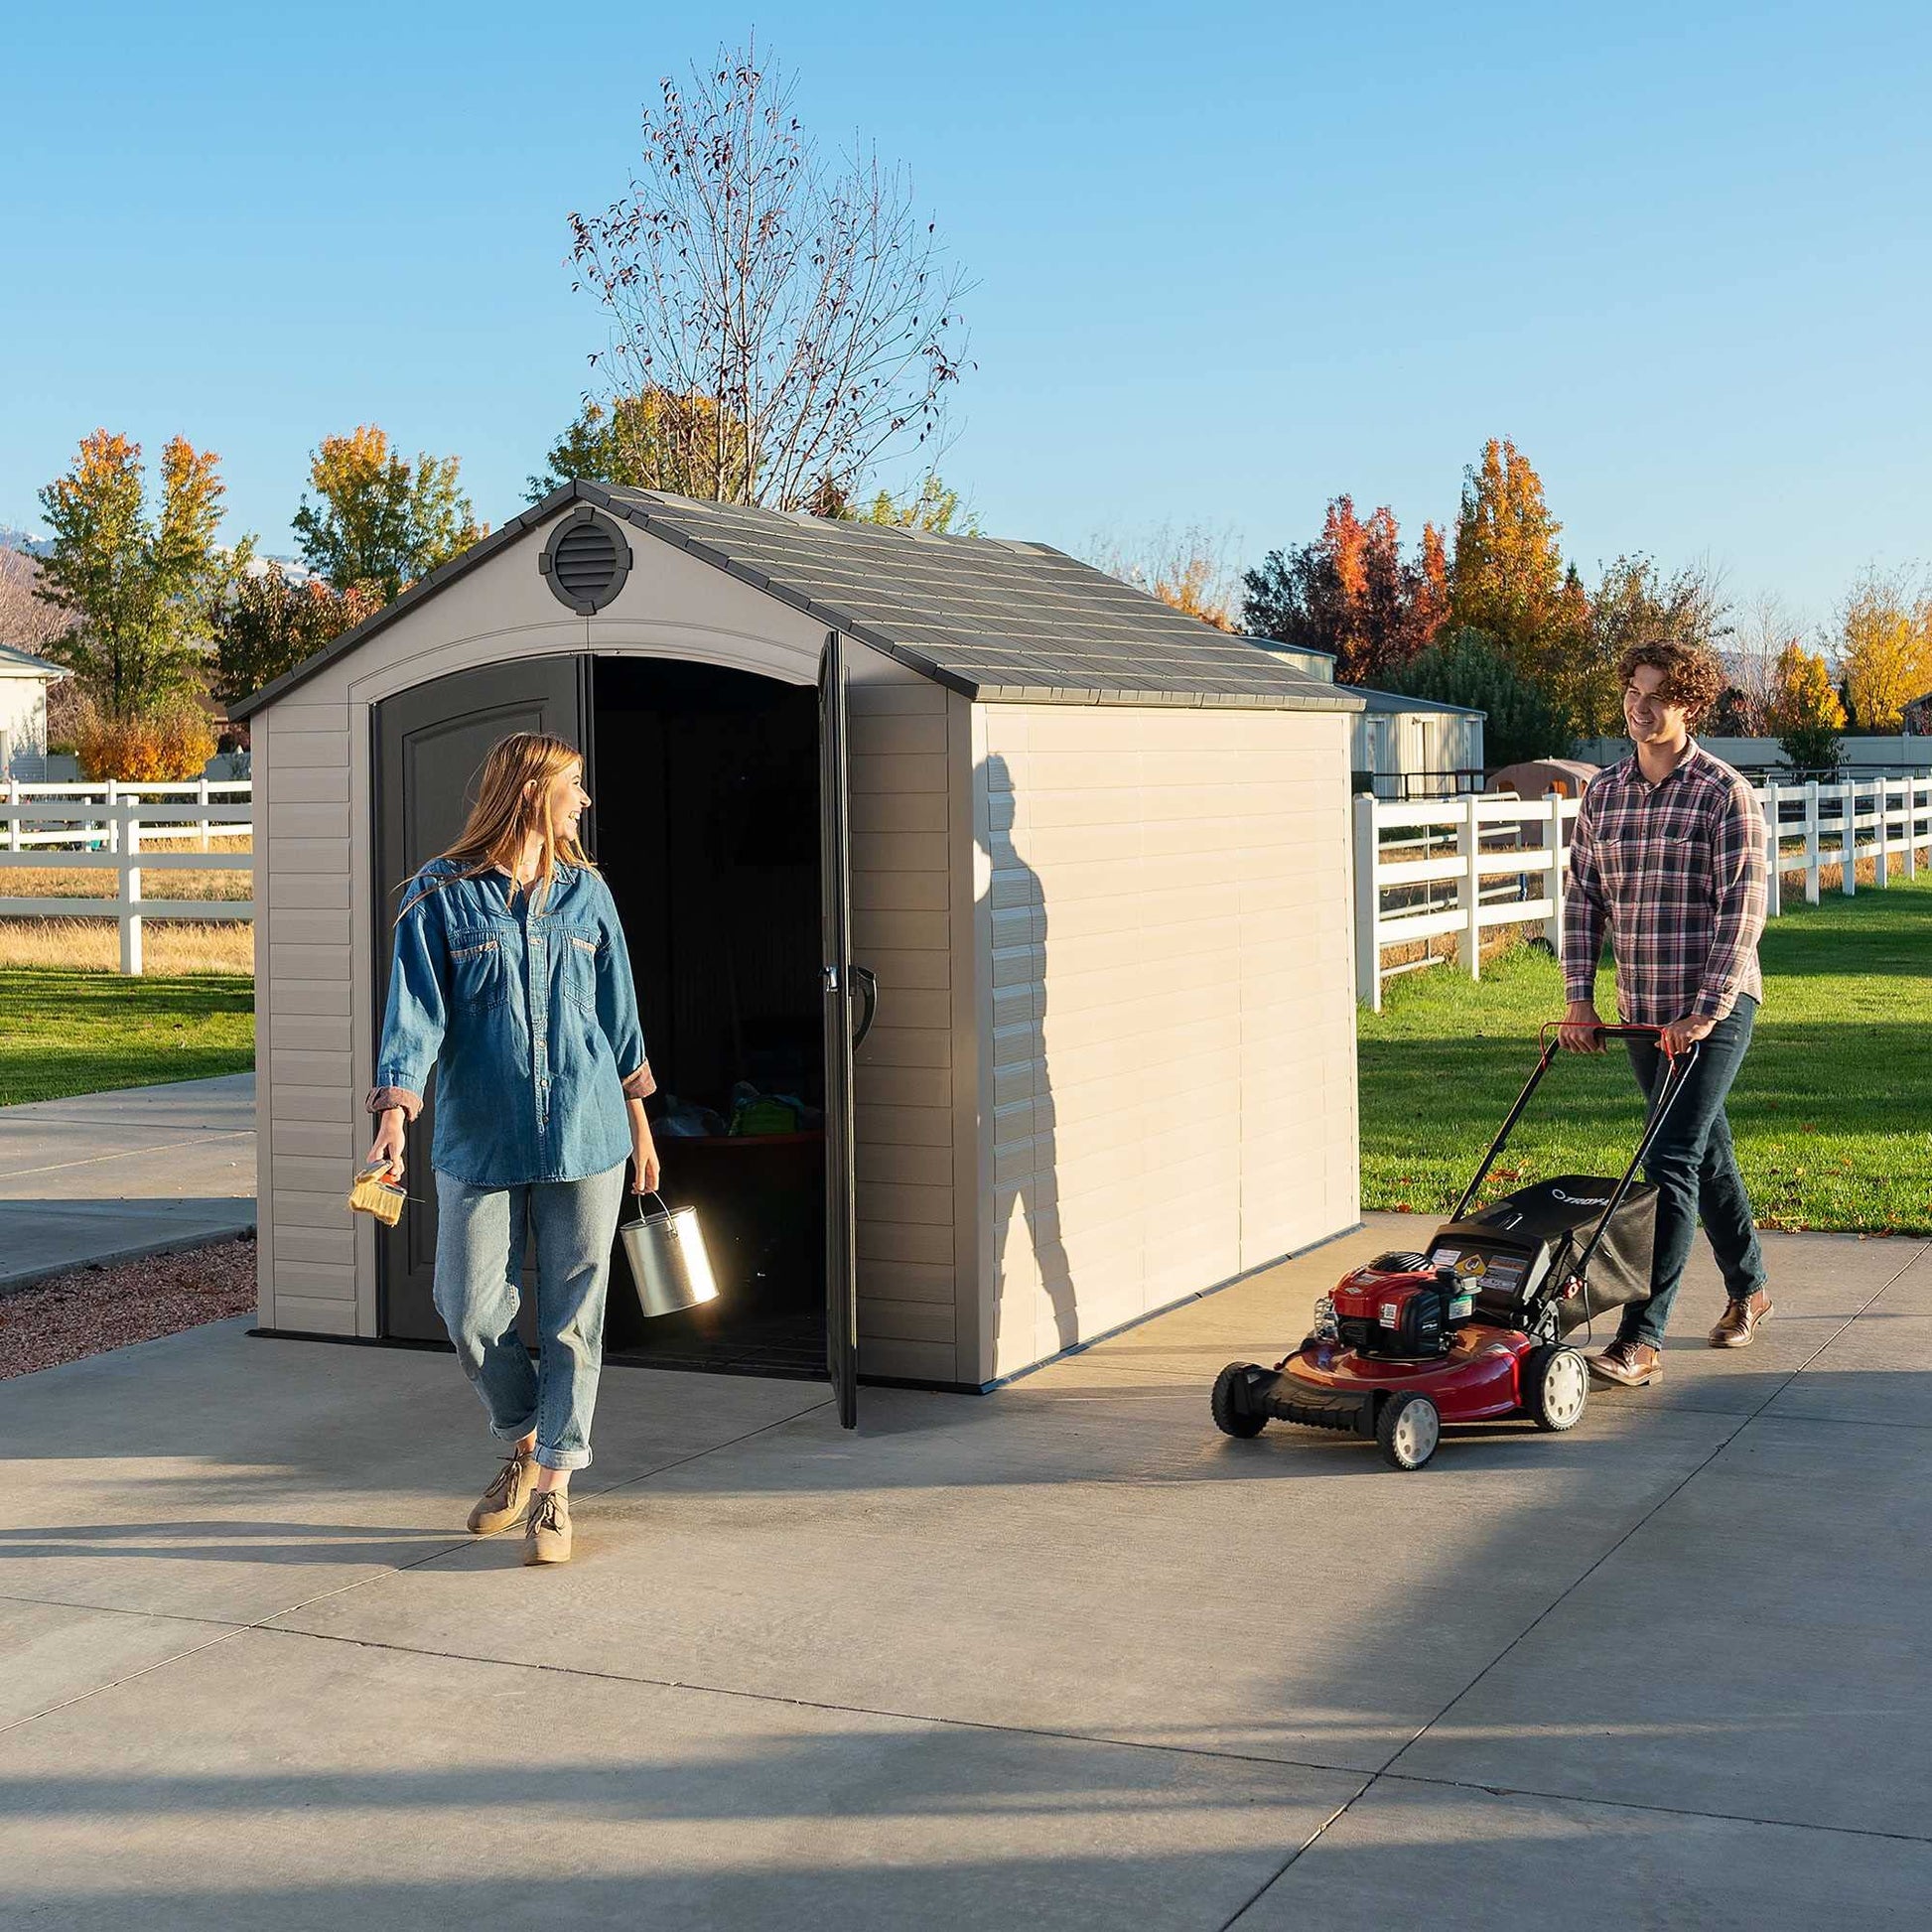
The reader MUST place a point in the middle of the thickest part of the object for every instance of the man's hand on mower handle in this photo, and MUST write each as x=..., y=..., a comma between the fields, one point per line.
x=1581, y=1030
x=1681, y=1035
x=387, y=1149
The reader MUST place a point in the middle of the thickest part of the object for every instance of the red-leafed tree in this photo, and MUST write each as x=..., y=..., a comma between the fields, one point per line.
x=1353, y=593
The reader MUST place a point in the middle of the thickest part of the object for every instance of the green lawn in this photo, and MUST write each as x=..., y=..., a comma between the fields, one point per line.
x=1832, y=1110
x=80, y=1033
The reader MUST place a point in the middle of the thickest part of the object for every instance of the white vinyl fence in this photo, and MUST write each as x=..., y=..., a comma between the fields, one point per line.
x=125, y=828
x=1454, y=866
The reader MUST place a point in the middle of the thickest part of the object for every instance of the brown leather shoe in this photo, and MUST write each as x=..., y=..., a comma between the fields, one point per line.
x=1629, y=1364
x=503, y=1501
x=1743, y=1316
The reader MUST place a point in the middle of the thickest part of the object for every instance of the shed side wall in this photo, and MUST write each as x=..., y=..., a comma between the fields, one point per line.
x=1169, y=995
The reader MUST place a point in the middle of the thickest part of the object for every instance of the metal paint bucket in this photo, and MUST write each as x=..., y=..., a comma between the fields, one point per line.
x=668, y=1262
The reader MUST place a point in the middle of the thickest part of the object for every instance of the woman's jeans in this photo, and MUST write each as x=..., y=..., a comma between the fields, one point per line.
x=480, y=1242
x=1695, y=1170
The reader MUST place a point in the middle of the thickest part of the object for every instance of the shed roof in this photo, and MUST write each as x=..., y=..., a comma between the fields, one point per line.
x=23, y=664
x=1392, y=701
x=999, y=622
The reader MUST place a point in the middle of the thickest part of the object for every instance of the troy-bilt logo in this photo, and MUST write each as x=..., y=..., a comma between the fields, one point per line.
x=1580, y=1201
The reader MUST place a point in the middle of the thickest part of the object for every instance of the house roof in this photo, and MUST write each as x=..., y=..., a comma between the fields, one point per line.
x=23, y=664
x=999, y=622
x=1390, y=701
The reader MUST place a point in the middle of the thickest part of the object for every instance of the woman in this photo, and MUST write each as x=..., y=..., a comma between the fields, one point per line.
x=511, y=981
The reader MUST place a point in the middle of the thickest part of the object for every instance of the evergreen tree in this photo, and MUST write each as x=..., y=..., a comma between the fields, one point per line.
x=1466, y=668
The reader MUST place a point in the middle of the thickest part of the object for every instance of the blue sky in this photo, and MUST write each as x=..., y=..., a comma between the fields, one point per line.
x=1229, y=260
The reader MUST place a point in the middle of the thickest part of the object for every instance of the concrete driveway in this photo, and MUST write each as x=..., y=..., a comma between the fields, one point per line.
x=1057, y=1657
x=102, y=1176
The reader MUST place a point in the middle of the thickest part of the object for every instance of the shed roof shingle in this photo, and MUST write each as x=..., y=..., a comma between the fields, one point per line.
x=1001, y=622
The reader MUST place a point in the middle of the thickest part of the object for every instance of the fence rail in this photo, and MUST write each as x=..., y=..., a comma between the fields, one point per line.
x=1456, y=867
x=113, y=827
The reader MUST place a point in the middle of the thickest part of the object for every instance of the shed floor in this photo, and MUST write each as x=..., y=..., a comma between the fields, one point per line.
x=1060, y=1656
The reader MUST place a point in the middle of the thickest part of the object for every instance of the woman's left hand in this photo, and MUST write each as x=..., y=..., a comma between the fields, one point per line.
x=644, y=1169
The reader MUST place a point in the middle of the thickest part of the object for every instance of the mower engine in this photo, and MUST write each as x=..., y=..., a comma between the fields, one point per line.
x=1395, y=1308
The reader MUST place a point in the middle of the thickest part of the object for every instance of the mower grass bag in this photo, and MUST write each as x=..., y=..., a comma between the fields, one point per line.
x=1519, y=1254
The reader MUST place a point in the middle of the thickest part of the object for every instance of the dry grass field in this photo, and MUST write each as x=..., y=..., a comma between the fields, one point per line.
x=93, y=945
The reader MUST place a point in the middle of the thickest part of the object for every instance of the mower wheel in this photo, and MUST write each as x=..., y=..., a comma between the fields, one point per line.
x=1555, y=1385
x=1407, y=1428
x=1232, y=1415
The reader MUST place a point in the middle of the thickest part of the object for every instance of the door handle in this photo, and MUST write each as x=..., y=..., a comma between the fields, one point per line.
x=869, y=986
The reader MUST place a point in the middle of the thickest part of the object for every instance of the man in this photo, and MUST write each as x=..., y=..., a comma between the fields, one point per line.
x=1668, y=861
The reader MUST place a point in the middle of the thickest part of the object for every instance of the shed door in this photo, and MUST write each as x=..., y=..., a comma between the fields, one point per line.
x=430, y=745
x=835, y=872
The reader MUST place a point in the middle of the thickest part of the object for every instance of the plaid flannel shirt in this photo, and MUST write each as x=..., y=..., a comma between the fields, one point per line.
x=1673, y=874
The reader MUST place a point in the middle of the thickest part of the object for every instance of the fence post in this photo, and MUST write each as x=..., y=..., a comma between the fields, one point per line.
x=1468, y=888
x=13, y=824
x=1911, y=827
x=200, y=798
x=1879, y=869
x=113, y=824
x=1773, y=865
x=130, y=870
x=1368, y=906
x=1848, y=806
x=1554, y=933
x=1812, y=854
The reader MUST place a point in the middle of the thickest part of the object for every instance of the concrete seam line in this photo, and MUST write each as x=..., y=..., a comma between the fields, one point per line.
x=935, y=1721
x=136, y=1153
x=1668, y=1496
x=1667, y=1811
x=1268, y=1884
x=148, y=1670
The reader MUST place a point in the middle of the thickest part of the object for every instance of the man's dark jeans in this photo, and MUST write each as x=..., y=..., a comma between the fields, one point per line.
x=1695, y=1170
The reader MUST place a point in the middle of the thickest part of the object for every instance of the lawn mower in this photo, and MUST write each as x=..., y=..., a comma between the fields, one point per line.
x=1471, y=1327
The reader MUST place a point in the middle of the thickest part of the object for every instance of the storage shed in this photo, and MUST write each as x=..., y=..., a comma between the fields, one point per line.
x=1093, y=857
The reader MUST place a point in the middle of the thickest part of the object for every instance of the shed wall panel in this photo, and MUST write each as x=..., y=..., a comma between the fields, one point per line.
x=1165, y=988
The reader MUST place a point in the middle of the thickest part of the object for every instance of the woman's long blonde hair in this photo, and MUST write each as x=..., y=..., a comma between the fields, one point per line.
x=508, y=810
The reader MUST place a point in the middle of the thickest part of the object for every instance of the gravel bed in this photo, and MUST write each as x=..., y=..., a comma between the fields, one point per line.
x=97, y=1307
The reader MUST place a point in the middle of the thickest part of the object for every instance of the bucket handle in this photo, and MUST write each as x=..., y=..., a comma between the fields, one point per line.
x=664, y=1210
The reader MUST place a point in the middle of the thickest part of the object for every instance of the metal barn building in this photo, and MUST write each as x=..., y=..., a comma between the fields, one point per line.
x=1093, y=856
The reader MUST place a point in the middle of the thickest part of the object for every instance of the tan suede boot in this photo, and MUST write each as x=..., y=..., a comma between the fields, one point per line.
x=503, y=1501
x=546, y=1535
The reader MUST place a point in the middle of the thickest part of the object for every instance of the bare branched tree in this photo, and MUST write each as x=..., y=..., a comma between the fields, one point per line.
x=792, y=319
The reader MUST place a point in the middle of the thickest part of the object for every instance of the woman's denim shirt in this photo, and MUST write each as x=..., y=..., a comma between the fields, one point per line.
x=530, y=1019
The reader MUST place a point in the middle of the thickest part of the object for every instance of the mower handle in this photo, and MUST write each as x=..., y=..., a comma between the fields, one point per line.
x=1677, y=1073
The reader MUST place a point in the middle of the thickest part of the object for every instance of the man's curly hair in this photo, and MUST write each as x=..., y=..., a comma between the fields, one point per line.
x=1692, y=677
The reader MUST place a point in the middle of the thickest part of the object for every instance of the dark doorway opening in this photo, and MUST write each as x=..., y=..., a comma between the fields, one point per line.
x=705, y=782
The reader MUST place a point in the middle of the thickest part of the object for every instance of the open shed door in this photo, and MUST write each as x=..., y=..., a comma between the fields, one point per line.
x=842, y=979
x=430, y=746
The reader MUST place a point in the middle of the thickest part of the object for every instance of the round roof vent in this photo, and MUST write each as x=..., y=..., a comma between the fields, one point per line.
x=585, y=559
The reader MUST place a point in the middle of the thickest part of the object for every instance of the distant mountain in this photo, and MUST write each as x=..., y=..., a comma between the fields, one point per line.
x=12, y=539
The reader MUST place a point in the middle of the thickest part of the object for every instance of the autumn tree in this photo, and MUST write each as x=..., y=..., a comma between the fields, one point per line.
x=659, y=439
x=137, y=584
x=268, y=626
x=1352, y=593
x=1186, y=566
x=378, y=519
x=800, y=293
x=1885, y=648
x=1803, y=711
